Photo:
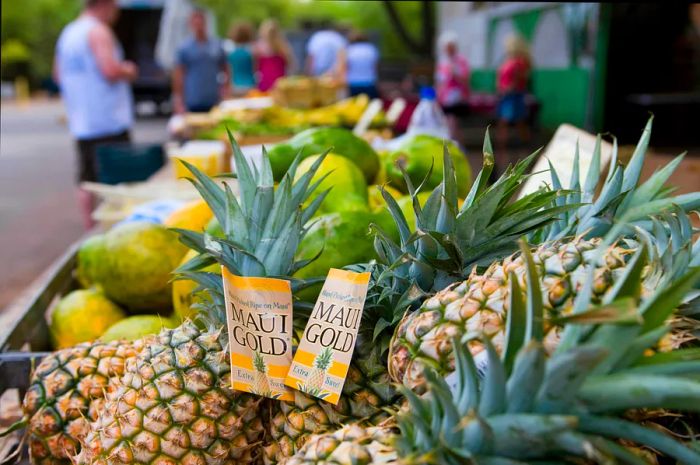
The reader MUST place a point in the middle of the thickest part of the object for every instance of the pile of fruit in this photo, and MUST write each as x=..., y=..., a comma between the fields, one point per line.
x=559, y=327
x=282, y=120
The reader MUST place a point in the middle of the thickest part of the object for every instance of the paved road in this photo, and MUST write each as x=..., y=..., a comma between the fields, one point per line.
x=38, y=211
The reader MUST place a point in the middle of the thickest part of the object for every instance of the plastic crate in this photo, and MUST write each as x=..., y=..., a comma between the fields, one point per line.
x=127, y=162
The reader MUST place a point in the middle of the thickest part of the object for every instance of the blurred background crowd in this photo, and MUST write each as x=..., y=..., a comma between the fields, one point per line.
x=587, y=63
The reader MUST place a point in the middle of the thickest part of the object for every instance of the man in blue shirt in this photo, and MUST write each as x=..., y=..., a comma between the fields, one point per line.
x=197, y=85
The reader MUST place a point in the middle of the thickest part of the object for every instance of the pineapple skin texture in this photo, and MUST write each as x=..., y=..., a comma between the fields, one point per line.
x=349, y=445
x=175, y=404
x=367, y=390
x=479, y=305
x=67, y=390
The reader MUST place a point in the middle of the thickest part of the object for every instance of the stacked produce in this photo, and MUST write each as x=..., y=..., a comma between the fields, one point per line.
x=539, y=329
x=281, y=120
x=126, y=276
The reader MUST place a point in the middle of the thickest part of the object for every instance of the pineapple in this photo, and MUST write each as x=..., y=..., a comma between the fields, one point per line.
x=528, y=407
x=480, y=304
x=318, y=374
x=368, y=390
x=260, y=385
x=446, y=249
x=350, y=445
x=67, y=390
x=175, y=404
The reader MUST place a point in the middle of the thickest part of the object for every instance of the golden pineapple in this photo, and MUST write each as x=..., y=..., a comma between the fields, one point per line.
x=479, y=305
x=366, y=392
x=175, y=404
x=350, y=445
x=67, y=390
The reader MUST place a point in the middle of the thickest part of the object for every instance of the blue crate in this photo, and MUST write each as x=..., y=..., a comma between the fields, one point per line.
x=127, y=162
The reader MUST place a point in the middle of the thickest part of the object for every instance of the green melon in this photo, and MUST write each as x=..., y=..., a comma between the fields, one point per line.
x=417, y=154
x=88, y=258
x=317, y=140
x=82, y=316
x=348, y=186
x=134, y=263
x=344, y=238
x=135, y=327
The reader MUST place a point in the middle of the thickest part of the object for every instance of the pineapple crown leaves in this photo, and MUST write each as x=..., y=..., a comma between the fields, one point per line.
x=621, y=197
x=450, y=240
x=525, y=406
x=668, y=237
x=389, y=294
x=263, y=230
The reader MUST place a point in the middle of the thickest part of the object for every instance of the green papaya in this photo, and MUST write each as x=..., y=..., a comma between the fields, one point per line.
x=417, y=154
x=317, y=140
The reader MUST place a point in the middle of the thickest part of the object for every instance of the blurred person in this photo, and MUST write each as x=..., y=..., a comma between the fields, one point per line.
x=452, y=81
x=273, y=55
x=200, y=59
x=240, y=58
x=94, y=81
x=323, y=50
x=512, y=83
x=358, y=63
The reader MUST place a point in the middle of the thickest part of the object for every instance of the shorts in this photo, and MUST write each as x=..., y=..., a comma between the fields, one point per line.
x=511, y=107
x=458, y=109
x=200, y=108
x=87, y=154
x=369, y=89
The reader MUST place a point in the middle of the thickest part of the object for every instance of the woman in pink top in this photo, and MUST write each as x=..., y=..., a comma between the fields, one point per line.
x=273, y=55
x=452, y=81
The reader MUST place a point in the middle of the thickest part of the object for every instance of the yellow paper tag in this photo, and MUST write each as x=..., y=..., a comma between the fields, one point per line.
x=322, y=360
x=259, y=317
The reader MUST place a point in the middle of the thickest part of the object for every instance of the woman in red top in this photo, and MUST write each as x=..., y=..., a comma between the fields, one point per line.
x=273, y=55
x=512, y=82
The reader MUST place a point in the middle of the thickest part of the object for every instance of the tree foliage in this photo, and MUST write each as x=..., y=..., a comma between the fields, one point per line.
x=364, y=15
x=36, y=25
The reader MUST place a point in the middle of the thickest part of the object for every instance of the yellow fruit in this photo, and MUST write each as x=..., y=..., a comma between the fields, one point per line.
x=347, y=183
x=376, y=201
x=135, y=327
x=88, y=260
x=82, y=316
x=183, y=288
x=194, y=216
x=134, y=264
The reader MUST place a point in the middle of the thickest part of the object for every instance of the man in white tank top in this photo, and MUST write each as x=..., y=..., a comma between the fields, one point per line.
x=94, y=80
